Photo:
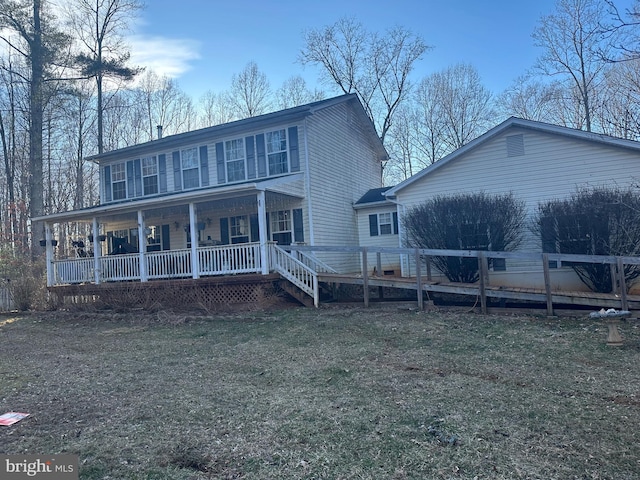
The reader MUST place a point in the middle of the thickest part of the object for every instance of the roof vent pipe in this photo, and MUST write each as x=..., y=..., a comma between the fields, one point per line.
x=159, y=127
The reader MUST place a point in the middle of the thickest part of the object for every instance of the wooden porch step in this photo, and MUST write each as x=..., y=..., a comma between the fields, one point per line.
x=296, y=293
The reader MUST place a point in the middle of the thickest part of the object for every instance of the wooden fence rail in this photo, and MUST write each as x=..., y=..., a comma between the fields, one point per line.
x=423, y=258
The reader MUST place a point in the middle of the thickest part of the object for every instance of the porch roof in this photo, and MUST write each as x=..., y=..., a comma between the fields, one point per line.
x=172, y=199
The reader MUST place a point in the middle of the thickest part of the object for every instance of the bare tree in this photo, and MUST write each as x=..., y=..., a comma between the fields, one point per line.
x=532, y=99
x=98, y=26
x=574, y=48
x=294, y=92
x=376, y=67
x=250, y=92
x=456, y=108
x=215, y=109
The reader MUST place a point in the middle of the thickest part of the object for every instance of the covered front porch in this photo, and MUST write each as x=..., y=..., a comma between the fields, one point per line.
x=217, y=231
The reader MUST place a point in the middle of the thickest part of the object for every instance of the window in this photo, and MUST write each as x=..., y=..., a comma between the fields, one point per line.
x=281, y=230
x=277, y=152
x=383, y=224
x=239, y=229
x=384, y=220
x=235, y=159
x=190, y=168
x=149, y=175
x=118, y=181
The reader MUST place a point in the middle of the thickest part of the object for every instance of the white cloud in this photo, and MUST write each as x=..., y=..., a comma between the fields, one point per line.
x=165, y=56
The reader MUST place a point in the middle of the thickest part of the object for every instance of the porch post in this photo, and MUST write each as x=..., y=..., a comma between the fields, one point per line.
x=142, y=243
x=49, y=254
x=97, y=253
x=262, y=227
x=195, y=271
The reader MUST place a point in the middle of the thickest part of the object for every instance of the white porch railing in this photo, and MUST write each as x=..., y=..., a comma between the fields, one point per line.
x=169, y=264
x=224, y=260
x=74, y=270
x=217, y=260
x=119, y=267
x=296, y=272
x=214, y=260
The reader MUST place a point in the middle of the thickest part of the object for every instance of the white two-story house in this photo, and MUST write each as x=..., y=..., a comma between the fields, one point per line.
x=212, y=201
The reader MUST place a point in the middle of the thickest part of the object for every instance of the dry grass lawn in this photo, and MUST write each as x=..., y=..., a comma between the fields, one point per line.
x=333, y=393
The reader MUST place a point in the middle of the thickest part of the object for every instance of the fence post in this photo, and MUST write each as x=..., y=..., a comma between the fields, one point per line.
x=623, y=285
x=365, y=277
x=482, y=267
x=547, y=283
x=419, y=280
x=379, y=273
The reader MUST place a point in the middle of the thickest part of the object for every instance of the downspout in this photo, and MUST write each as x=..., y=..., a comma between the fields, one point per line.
x=400, y=210
x=307, y=186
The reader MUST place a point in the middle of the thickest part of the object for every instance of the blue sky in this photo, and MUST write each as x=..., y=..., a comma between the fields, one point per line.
x=202, y=43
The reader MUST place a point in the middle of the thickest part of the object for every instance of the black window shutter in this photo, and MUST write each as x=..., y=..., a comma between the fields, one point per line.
x=162, y=173
x=373, y=225
x=107, y=183
x=177, y=172
x=298, y=226
x=251, y=157
x=130, y=180
x=255, y=227
x=204, y=166
x=294, y=151
x=220, y=162
x=137, y=168
x=166, y=235
x=262, y=158
x=395, y=223
x=224, y=231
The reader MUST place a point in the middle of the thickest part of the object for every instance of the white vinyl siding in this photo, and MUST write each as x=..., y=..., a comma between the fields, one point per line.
x=552, y=167
x=342, y=167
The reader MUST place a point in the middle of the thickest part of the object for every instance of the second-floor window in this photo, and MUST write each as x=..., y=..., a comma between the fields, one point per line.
x=190, y=168
x=235, y=159
x=277, y=152
x=118, y=181
x=150, y=175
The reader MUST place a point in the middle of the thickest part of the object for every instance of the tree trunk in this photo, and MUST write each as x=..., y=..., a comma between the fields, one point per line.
x=36, y=187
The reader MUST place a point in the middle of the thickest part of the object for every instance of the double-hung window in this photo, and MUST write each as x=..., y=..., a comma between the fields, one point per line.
x=235, y=159
x=118, y=181
x=385, y=224
x=239, y=229
x=277, y=152
x=150, y=175
x=281, y=227
x=190, y=168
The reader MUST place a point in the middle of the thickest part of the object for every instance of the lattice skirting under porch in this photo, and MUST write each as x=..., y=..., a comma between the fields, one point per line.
x=208, y=293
